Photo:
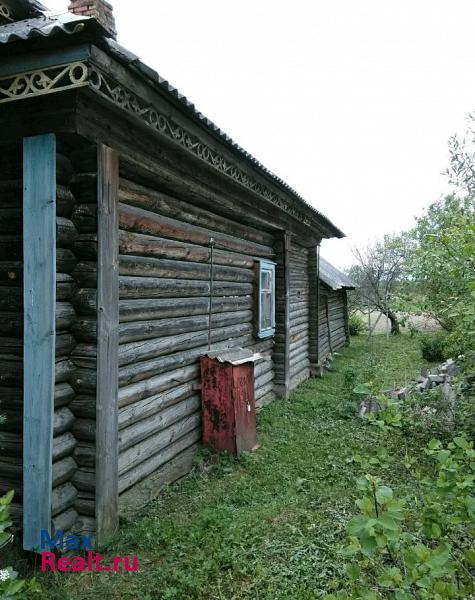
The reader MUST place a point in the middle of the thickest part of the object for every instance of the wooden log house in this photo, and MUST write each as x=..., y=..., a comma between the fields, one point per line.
x=115, y=191
x=333, y=314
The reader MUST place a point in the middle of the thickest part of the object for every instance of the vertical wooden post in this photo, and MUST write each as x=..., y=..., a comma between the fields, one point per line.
x=39, y=293
x=314, y=312
x=107, y=494
x=287, y=246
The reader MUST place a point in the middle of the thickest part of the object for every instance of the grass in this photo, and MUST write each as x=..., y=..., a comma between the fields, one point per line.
x=266, y=526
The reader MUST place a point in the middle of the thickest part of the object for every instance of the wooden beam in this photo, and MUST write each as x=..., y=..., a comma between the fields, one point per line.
x=287, y=267
x=39, y=256
x=107, y=345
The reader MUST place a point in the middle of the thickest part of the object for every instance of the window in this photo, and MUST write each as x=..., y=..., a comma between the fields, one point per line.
x=266, y=325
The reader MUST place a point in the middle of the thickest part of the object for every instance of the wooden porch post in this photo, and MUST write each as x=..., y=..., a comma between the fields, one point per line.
x=39, y=280
x=107, y=494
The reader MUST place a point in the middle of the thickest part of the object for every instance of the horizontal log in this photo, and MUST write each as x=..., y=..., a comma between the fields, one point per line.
x=151, y=200
x=11, y=467
x=63, y=371
x=138, y=244
x=15, y=485
x=64, y=345
x=63, y=470
x=263, y=366
x=140, y=266
x=266, y=399
x=63, y=420
x=66, y=232
x=63, y=445
x=150, y=406
x=84, y=218
x=145, y=222
x=146, y=369
x=84, y=430
x=84, y=329
x=84, y=184
x=64, y=521
x=63, y=394
x=138, y=351
x=143, y=429
x=134, y=456
x=85, y=506
x=149, y=287
x=84, y=406
x=85, y=479
x=153, y=463
x=160, y=383
x=11, y=444
x=161, y=308
x=263, y=379
x=85, y=454
x=62, y=498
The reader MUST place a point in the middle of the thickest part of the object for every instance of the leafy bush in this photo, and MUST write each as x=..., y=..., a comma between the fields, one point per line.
x=434, y=347
x=418, y=547
x=10, y=585
x=356, y=325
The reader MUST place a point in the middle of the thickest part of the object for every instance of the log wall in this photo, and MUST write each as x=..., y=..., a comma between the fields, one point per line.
x=11, y=330
x=333, y=321
x=299, y=312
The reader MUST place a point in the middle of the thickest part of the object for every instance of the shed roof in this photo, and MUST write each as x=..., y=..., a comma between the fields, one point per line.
x=68, y=25
x=333, y=278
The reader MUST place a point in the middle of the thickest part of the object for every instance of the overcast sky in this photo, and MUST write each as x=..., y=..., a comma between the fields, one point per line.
x=350, y=102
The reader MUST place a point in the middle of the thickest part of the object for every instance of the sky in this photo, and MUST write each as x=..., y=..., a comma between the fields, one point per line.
x=350, y=102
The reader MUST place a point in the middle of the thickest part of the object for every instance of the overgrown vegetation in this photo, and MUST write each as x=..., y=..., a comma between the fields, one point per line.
x=269, y=525
x=356, y=325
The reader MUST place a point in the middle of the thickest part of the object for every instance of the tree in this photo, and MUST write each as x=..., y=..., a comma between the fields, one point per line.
x=379, y=273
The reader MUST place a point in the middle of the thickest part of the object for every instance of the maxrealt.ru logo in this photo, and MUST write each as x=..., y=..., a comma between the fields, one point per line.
x=90, y=561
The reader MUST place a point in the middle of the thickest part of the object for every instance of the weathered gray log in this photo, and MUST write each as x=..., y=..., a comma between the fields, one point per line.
x=13, y=420
x=63, y=394
x=11, y=444
x=150, y=406
x=161, y=308
x=85, y=506
x=150, y=200
x=66, y=232
x=65, y=286
x=84, y=218
x=85, y=479
x=65, y=520
x=63, y=420
x=65, y=315
x=65, y=344
x=11, y=467
x=7, y=485
x=149, y=287
x=147, y=245
x=142, y=221
x=84, y=406
x=141, y=430
x=63, y=470
x=153, y=463
x=63, y=445
x=160, y=383
x=84, y=429
x=85, y=454
x=62, y=498
x=134, y=456
x=84, y=329
x=140, y=266
x=138, y=351
x=64, y=370
x=146, y=369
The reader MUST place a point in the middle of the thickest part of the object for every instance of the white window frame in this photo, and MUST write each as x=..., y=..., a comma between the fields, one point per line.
x=269, y=266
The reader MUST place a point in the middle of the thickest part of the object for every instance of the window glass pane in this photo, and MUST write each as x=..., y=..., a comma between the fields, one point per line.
x=266, y=307
x=266, y=281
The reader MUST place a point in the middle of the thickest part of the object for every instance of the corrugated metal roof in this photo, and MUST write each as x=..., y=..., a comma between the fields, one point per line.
x=70, y=24
x=335, y=279
x=41, y=27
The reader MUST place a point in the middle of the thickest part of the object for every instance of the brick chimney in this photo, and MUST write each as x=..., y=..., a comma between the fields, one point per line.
x=99, y=9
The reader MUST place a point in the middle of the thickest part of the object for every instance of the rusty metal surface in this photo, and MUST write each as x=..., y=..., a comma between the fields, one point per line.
x=333, y=278
x=229, y=414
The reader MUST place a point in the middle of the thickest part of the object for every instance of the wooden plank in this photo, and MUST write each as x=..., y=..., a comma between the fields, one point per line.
x=39, y=252
x=287, y=267
x=107, y=345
